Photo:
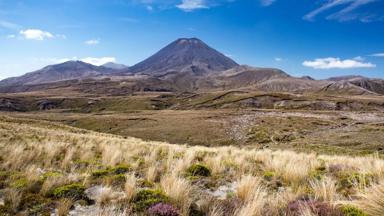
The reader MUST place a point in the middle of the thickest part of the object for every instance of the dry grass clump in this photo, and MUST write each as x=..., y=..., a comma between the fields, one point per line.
x=64, y=206
x=130, y=186
x=325, y=190
x=255, y=204
x=263, y=182
x=179, y=190
x=246, y=187
x=12, y=197
x=372, y=200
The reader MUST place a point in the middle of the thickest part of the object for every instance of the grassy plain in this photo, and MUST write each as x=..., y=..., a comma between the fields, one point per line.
x=52, y=168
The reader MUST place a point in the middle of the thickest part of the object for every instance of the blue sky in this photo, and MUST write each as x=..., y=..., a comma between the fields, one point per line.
x=320, y=38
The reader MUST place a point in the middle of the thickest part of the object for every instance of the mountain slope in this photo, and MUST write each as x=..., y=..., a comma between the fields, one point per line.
x=354, y=85
x=185, y=55
x=116, y=66
x=60, y=72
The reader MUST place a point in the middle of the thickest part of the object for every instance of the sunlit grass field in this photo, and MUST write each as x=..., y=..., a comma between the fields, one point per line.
x=49, y=168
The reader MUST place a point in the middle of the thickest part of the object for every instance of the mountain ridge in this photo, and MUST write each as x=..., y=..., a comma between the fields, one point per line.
x=188, y=64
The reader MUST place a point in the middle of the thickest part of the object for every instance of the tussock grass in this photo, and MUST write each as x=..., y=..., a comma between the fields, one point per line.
x=264, y=181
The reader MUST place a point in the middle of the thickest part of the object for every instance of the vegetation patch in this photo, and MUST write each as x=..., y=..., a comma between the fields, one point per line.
x=162, y=209
x=198, y=170
x=119, y=169
x=147, y=197
x=349, y=210
x=71, y=191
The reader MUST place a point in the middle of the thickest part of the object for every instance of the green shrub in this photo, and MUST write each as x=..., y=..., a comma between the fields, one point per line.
x=116, y=179
x=145, y=183
x=316, y=174
x=19, y=183
x=100, y=173
x=349, y=210
x=268, y=175
x=198, y=170
x=354, y=179
x=50, y=174
x=120, y=169
x=146, y=198
x=71, y=191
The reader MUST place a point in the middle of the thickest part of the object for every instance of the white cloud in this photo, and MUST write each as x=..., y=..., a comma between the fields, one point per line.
x=359, y=58
x=149, y=8
x=11, y=36
x=98, y=61
x=92, y=42
x=89, y=60
x=344, y=14
x=61, y=36
x=266, y=2
x=337, y=63
x=278, y=59
x=378, y=55
x=191, y=5
x=35, y=34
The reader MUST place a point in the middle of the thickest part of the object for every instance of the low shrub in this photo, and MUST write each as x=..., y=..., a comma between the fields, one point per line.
x=71, y=191
x=19, y=183
x=162, y=209
x=349, y=210
x=198, y=170
x=50, y=174
x=120, y=169
x=100, y=173
x=268, y=175
x=147, y=198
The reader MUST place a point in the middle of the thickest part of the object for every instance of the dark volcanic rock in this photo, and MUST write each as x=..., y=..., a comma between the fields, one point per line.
x=185, y=54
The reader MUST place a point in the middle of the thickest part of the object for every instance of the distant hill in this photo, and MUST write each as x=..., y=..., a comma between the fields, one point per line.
x=185, y=55
x=116, y=66
x=354, y=85
x=65, y=71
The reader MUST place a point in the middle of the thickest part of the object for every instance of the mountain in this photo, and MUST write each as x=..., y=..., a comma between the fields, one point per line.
x=59, y=72
x=354, y=85
x=346, y=78
x=185, y=55
x=115, y=66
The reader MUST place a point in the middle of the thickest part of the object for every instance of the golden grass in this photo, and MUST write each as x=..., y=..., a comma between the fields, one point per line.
x=372, y=201
x=178, y=189
x=130, y=186
x=32, y=148
x=64, y=207
x=325, y=190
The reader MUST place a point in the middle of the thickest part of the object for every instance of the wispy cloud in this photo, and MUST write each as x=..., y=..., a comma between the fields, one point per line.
x=184, y=5
x=98, y=61
x=378, y=55
x=348, y=12
x=35, y=34
x=90, y=60
x=92, y=42
x=9, y=25
x=266, y=2
x=191, y=5
x=278, y=59
x=337, y=63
